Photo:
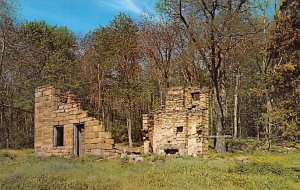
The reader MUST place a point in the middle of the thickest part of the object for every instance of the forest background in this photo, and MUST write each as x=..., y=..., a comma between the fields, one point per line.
x=249, y=61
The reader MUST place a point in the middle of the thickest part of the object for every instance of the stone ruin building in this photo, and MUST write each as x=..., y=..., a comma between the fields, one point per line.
x=62, y=128
x=181, y=126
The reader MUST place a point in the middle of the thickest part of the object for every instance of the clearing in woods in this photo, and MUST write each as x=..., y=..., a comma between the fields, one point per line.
x=20, y=169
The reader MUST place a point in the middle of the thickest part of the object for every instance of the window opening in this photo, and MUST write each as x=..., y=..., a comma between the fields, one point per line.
x=58, y=136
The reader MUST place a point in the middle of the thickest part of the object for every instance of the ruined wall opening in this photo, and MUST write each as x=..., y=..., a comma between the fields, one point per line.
x=171, y=151
x=181, y=126
x=199, y=130
x=196, y=96
x=179, y=129
x=58, y=135
x=78, y=139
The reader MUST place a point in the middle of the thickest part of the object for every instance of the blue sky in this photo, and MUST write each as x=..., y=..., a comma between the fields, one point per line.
x=81, y=16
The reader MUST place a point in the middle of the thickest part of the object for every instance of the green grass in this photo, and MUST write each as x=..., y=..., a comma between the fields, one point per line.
x=21, y=170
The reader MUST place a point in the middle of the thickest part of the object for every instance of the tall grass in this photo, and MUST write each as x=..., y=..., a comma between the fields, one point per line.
x=263, y=171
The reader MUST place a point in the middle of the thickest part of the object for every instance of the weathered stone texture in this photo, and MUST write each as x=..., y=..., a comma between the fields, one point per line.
x=181, y=126
x=53, y=108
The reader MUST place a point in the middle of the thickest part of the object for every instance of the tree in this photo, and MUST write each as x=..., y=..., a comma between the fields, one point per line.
x=214, y=27
x=127, y=68
x=113, y=72
x=284, y=52
x=7, y=42
x=35, y=54
x=50, y=53
x=97, y=69
x=160, y=44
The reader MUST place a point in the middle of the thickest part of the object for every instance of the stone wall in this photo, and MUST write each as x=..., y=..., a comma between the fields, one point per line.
x=56, y=109
x=181, y=125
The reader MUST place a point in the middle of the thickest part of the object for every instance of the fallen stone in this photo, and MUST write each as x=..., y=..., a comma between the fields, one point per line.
x=241, y=159
x=135, y=158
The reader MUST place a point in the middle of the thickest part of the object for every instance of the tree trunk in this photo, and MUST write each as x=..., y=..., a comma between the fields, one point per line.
x=161, y=99
x=269, y=124
x=129, y=130
x=7, y=138
x=219, y=108
x=257, y=131
x=235, y=111
x=211, y=114
x=2, y=89
x=99, y=81
x=239, y=123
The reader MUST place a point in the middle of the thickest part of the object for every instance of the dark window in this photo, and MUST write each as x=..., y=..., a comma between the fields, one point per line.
x=199, y=130
x=196, y=96
x=58, y=136
x=179, y=129
x=171, y=151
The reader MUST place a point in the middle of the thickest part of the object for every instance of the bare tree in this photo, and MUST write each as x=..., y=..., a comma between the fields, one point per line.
x=159, y=42
x=214, y=27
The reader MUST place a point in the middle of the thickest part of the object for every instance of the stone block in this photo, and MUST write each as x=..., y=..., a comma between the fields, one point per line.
x=37, y=144
x=74, y=121
x=109, y=141
x=64, y=122
x=85, y=119
x=60, y=111
x=105, y=135
x=92, y=123
x=100, y=152
x=75, y=112
x=104, y=146
x=94, y=140
x=89, y=146
x=81, y=116
x=98, y=128
x=90, y=135
x=68, y=106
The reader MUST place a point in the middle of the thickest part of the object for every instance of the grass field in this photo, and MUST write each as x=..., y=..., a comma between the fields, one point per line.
x=21, y=170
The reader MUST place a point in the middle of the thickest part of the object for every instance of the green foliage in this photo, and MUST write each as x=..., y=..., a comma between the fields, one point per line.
x=113, y=72
x=285, y=78
x=38, y=54
x=244, y=145
x=119, y=132
x=7, y=10
x=50, y=54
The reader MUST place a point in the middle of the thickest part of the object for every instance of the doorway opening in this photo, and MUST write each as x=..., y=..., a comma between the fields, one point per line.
x=78, y=139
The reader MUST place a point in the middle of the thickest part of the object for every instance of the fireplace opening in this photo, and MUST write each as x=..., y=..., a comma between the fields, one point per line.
x=171, y=151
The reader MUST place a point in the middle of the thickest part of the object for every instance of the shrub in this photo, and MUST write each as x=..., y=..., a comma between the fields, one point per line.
x=243, y=145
